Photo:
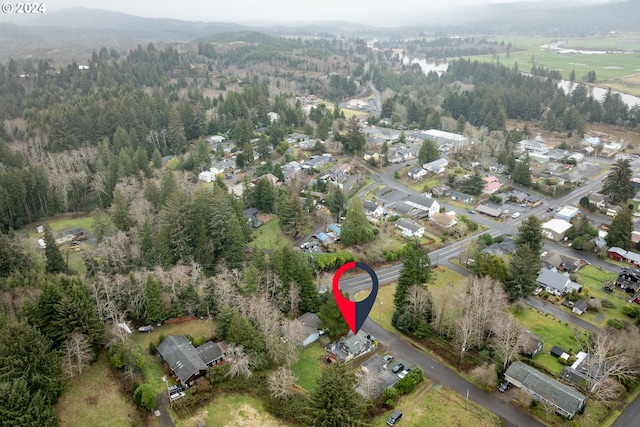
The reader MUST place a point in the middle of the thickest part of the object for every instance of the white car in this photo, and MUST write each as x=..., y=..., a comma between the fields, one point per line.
x=176, y=396
x=515, y=215
x=403, y=374
x=543, y=254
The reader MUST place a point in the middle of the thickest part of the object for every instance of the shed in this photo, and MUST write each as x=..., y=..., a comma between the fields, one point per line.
x=580, y=307
x=557, y=351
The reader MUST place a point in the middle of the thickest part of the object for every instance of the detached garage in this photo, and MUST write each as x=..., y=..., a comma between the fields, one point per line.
x=556, y=229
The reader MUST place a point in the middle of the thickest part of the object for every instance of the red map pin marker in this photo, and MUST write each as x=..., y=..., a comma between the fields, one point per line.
x=355, y=313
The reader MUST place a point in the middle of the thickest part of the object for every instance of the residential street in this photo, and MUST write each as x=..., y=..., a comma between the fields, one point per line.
x=441, y=374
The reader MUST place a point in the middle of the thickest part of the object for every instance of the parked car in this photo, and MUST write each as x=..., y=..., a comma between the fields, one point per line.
x=393, y=419
x=147, y=328
x=549, y=209
x=515, y=215
x=403, y=374
x=176, y=396
x=175, y=389
x=471, y=211
x=543, y=254
x=388, y=358
x=399, y=367
x=504, y=386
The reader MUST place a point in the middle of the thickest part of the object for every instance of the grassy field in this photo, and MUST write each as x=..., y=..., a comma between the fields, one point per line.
x=308, y=368
x=269, y=235
x=439, y=406
x=618, y=70
x=552, y=332
x=94, y=399
x=231, y=410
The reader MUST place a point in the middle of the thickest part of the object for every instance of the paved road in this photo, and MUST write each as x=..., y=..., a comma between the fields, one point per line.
x=445, y=376
x=562, y=315
x=629, y=417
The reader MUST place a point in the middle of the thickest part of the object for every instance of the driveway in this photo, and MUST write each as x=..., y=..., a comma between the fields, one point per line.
x=562, y=315
x=162, y=403
x=441, y=374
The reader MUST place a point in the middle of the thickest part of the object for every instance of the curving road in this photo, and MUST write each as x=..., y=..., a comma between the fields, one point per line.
x=445, y=376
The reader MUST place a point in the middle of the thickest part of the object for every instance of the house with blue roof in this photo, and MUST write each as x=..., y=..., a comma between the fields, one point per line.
x=334, y=228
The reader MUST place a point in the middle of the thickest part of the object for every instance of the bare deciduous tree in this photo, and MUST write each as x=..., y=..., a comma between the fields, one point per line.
x=369, y=382
x=507, y=339
x=608, y=362
x=76, y=355
x=418, y=301
x=281, y=383
x=486, y=374
x=238, y=361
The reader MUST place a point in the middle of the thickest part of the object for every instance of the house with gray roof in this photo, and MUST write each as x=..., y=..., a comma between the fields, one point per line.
x=556, y=283
x=409, y=228
x=564, y=399
x=437, y=166
x=377, y=366
x=188, y=362
x=315, y=162
x=304, y=330
x=488, y=210
x=352, y=346
x=461, y=197
x=373, y=209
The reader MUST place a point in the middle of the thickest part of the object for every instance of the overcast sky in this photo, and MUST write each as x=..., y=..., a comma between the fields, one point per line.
x=375, y=12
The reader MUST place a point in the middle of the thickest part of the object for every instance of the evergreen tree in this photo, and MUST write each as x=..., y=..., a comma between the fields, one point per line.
x=202, y=155
x=428, y=152
x=293, y=218
x=356, y=228
x=618, y=187
x=20, y=407
x=12, y=256
x=619, y=233
x=156, y=158
x=331, y=318
x=416, y=270
x=434, y=121
x=28, y=355
x=522, y=172
x=243, y=332
x=55, y=262
x=155, y=307
x=335, y=402
x=336, y=201
x=530, y=233
x=354, y=140
x=148, y=250
x=473, y=185
x=522, y=272
x=294, y=266
x=264, y=195
x=120, y=215
x=177, y=138
x=226, y=231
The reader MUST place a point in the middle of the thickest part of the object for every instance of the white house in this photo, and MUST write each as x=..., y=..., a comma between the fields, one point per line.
x=417, y=172
x=273, y=117
x=373, y=209
x=436, y=166
x=409, y=227
x=206, y=176
x=533, y=146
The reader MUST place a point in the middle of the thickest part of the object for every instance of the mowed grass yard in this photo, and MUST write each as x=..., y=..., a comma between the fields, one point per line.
x=593, y=278
x=232, y=410
x=63, y=222
x=309, y=367
x=94, y=399
x=438, y=406
x=552, y=332
x=269, y=235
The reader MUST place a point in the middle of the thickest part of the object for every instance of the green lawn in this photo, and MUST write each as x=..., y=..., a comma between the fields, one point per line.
x=592, y=278
x=63, y=222
x=269, y=235
x=94, y=399
x=612, y=70
x=231, y=410
x=552, y=332
x=308, y=368
x=439, y=406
